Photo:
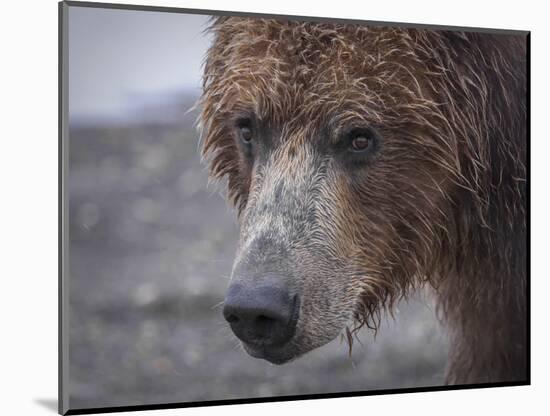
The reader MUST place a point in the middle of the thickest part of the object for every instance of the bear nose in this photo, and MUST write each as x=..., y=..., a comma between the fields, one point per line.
x=261, y=315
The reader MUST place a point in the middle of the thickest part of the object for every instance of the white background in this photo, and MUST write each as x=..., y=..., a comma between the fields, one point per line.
x=28, y=205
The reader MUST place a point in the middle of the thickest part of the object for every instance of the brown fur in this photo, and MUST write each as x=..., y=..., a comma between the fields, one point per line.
x=442, y=202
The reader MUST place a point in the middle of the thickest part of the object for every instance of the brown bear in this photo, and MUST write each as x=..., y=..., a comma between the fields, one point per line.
x=366, y=161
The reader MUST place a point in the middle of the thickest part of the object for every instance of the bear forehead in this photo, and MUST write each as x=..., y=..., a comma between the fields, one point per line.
x=307, y=53
x=290, y=69
x=306, y=38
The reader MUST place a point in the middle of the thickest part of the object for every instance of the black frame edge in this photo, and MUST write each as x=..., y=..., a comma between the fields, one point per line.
x=63, y=363
x=339, y=395
x=60, y=365
x=167, y=9
x=528, y=202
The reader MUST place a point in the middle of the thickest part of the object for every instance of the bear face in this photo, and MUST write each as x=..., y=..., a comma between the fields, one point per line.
x=347, y=150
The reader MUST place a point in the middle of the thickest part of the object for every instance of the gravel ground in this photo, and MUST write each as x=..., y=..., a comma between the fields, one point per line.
x=150, y=253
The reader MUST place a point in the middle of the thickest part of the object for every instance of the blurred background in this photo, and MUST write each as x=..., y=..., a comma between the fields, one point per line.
x=152, y=243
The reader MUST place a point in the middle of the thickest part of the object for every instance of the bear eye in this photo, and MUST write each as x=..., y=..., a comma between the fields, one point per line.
x=362, y=140
x=246, y=134
x=361, y=143
x=245, y=131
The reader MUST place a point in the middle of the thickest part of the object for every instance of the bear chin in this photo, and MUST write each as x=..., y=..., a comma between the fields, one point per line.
x=274, y=355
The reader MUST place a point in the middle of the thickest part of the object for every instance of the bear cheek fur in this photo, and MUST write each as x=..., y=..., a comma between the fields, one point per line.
x=389, y=225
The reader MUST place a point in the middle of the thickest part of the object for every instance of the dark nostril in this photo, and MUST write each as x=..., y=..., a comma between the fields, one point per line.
x=232, y=318
x=265, y=319
x=263, y=325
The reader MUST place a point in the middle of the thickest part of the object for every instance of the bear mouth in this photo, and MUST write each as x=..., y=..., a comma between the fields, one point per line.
x=275, y=355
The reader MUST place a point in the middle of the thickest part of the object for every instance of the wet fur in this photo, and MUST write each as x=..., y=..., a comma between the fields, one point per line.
x=443, y=205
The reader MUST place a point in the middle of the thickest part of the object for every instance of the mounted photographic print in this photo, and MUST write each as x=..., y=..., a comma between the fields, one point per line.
x=260, y=208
